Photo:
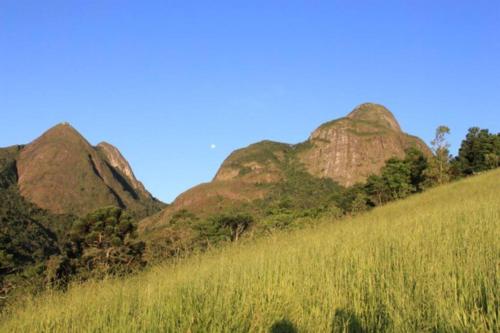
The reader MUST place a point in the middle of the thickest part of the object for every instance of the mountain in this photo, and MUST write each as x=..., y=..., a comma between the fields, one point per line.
x=63, y=173
x=349, y=149
x=44, y=187
x=345, y=151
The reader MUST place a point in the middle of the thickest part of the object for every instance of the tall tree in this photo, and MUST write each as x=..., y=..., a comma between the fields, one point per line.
x=376, y=189
x=438, y=171
x=417, y=162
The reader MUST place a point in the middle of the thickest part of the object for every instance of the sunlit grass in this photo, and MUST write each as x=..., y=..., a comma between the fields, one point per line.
x=429, y=263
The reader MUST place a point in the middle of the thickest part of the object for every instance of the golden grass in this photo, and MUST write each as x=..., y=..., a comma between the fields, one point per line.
x=430, y=263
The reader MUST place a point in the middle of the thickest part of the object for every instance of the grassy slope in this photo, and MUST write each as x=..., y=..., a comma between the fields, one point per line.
x=429, y=263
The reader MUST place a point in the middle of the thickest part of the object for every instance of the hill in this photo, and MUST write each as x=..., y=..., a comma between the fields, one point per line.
x=425, y=264
x=338, y=154
x=61, y=172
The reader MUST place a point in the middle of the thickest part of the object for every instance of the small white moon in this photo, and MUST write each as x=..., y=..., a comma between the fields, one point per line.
x=213, y=146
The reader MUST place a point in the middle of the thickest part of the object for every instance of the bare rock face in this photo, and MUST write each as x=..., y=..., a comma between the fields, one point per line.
x=349, y=149
x=117, y=161
x=61, y=172
x=346, y=150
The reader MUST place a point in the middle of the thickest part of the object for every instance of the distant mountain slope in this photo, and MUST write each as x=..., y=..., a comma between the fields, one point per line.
x=61, y=172
x=346, y=150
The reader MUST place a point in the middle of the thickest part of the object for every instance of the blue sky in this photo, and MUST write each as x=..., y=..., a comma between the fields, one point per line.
x=165, y=80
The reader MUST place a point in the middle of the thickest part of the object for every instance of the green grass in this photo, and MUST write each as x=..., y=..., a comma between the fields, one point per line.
x=430, y=263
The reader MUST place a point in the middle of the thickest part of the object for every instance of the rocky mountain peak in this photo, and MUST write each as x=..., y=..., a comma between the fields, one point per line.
x=347, y=149
x=351, y=148
x=62, y=172
x=376, y=114
x=62, y=132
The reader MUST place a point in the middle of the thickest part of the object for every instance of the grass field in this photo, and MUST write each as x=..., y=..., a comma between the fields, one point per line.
x=430, y=263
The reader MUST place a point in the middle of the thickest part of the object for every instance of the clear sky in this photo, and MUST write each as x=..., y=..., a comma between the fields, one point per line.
x=178, y=85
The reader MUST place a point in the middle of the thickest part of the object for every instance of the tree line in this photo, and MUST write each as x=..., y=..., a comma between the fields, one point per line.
x=479, y=151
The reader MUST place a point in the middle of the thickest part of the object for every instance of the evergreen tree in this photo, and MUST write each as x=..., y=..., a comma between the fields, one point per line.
x=104, y=242
x=479, y=151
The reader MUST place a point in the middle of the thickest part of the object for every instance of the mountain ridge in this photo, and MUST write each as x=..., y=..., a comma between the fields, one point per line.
x=346, y=150
x=60, y=171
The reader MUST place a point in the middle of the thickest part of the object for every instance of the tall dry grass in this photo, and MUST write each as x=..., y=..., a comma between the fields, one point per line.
x=430, y=263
